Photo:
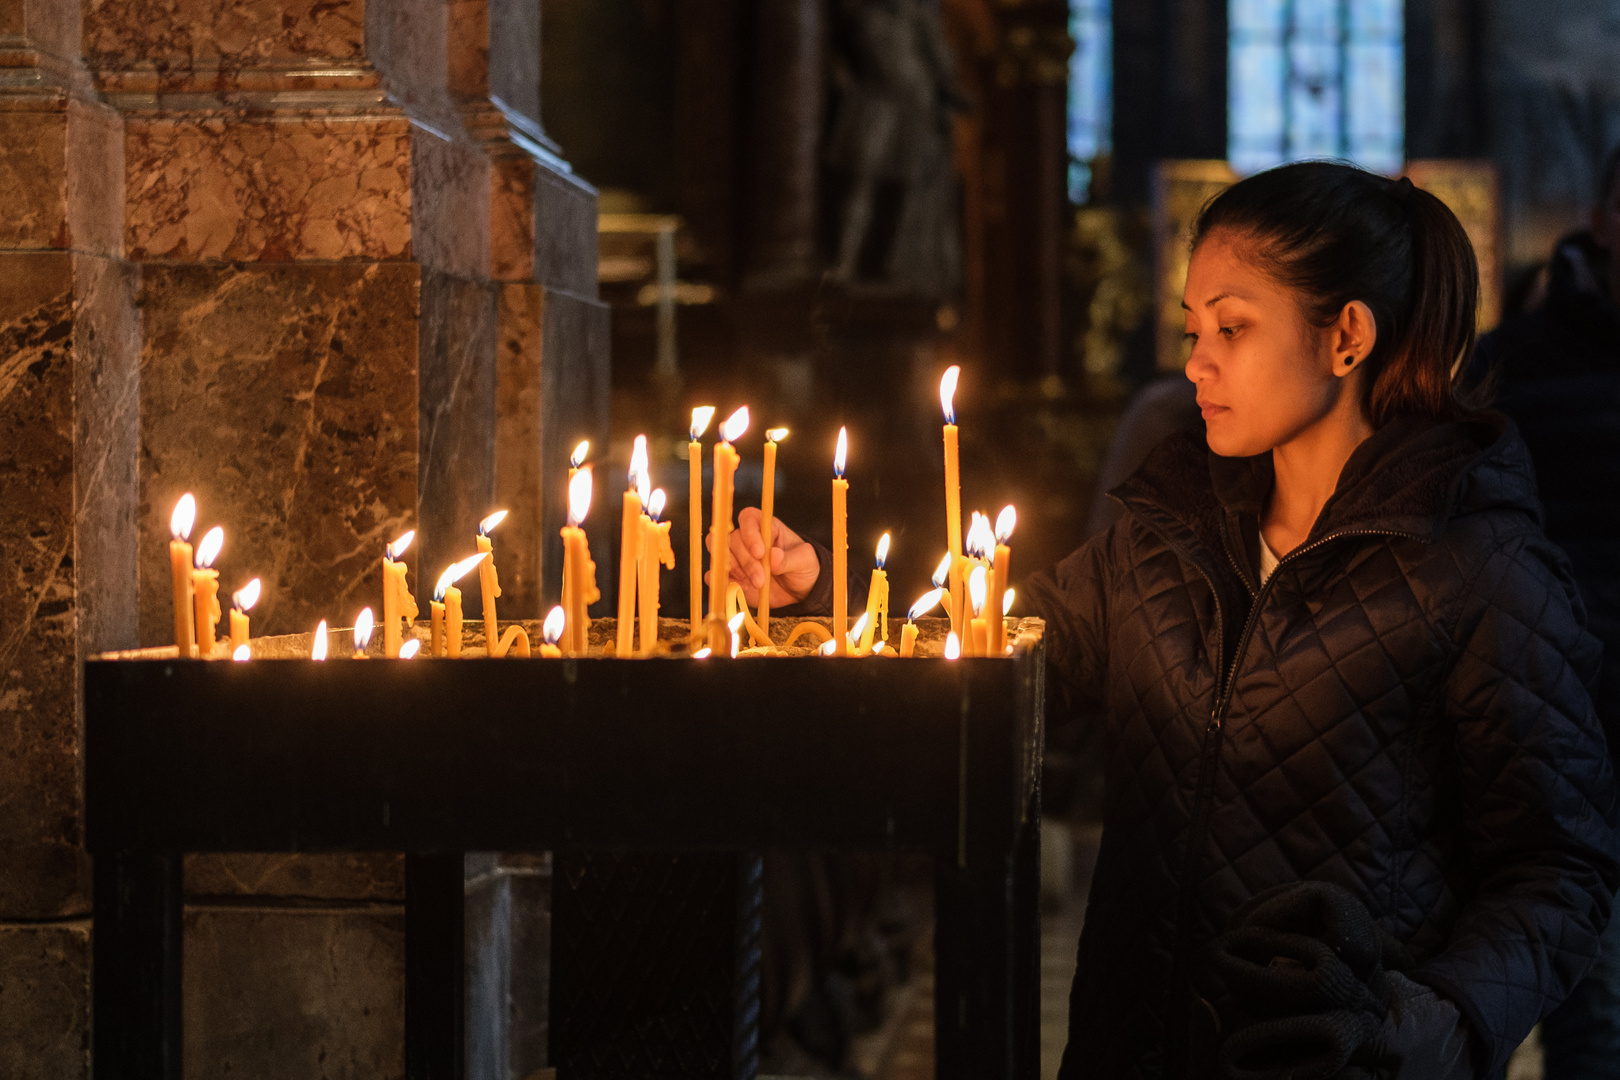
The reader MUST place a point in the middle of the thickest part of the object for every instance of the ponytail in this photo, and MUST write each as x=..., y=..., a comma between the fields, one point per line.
x=1334, y=234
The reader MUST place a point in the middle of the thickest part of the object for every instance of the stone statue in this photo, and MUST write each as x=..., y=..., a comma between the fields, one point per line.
x=895, y=83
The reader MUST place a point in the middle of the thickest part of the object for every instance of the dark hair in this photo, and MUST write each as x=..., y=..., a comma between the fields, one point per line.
x=1333, y=234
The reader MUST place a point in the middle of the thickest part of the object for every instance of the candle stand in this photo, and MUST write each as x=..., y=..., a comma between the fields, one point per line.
x=655, y=781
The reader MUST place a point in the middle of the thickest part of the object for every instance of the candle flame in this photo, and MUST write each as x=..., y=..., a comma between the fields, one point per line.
x=879, y=647
x=700, y=421
x=410, y=648
x=942, y=573
x=776, y=434
x=827, y=647
x=579, y=496
x=947, y=392
x=362, y=630
x=734, y=626
x=883, y=551
x=701, y=654
x=655, y=505
x=638, y=468
x=317, y=647
x=455, y=572
x=552, y=629
x=953, y=646
x=208, y=550
x=577, y=458
x=976, y=590
x=859, y=628
x=487, y=526
x=393, y=551
x=1006, y=523
x=927, y=602
x=842, y=453
x=1006, y=601
x=244, y=598
x=183, y=518
x=242, y=652
x=735, y=425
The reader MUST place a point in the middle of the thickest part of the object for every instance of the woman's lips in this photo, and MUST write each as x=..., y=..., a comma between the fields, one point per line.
x=1210, y=409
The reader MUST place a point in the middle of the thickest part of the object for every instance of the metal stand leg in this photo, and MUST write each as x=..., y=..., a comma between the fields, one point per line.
x=435, y=963
x=136, y=956
x=987, y=957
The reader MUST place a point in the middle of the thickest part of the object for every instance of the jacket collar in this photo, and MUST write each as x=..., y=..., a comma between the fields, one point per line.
x=1411, y=477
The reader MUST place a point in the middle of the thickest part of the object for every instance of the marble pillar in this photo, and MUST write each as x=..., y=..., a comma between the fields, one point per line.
x=68, y=398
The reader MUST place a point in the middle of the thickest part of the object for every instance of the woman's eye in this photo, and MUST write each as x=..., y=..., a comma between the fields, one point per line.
x=1190, y=338
x=1229, y=331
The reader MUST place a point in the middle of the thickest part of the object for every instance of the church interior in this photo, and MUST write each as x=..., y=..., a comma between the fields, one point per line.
x=344, y=269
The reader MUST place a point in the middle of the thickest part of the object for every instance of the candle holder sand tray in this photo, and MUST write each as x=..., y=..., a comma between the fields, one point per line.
x=650, y=767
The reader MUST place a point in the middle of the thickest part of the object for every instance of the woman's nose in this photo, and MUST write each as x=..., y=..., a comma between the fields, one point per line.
x=1199, y=368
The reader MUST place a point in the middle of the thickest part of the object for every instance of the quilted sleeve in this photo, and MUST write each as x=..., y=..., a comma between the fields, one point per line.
x=1539, y=799
x=1072, y=597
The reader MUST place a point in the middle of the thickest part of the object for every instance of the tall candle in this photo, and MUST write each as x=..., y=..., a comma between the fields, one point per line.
x=953, y=491
x=579, y=572
x=725, y=474
x=630, y=546
x=242, y=601
x=1006, y=521
x=767, y=516
x=840, y=552
x=656, y=551
x=489, y=582
x=576, y=461
x=877, y=598
x=447, y=617
x=205, y=590
x=398, y=603
x=694, y=525
x=180, y=523
x=977, y=629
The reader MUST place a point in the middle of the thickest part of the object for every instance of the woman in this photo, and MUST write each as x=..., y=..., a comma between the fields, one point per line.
x=1336, y=654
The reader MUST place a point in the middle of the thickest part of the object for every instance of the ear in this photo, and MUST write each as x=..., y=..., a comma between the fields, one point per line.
x=1352, y=337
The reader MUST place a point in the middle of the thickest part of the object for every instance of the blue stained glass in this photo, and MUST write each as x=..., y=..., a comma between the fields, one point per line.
x=1091, y=90
x=1315, y=79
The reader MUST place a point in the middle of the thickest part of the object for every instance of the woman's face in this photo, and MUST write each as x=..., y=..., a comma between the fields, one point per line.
x=1264, y=373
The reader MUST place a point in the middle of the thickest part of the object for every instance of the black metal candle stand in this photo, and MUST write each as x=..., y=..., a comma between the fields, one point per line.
x=652, y=780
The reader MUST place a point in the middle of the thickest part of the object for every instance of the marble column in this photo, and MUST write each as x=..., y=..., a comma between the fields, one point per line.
x=68, y=396
x=786, y=132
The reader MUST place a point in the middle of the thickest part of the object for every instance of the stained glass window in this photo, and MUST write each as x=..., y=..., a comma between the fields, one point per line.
x=1315, y=79
x=1091, y=91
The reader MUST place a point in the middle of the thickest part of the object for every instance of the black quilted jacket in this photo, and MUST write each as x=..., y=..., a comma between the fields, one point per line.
x=1402, y=709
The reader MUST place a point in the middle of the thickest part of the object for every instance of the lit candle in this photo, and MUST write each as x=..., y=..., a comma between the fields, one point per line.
x=489, y=586
x=447, y=606
x=205, y=590
x=767, y=513
x=243, y=652
x=877, y=598
x=1006, y=521
x=694, y=501
x=242, y=601
x=976, y=629
x=410, y=648
x=362, y=633
x=630, y=545
x=180, y=523
x=840, y=552
x=953, y=490
x=734, y=628
x=1006, y=606
x=656, y=551
x=725, y=474
x=579, y=572
x=317, y=645
x=576, y=461
x=398, y=603
x=953, y=646
x=551, y=632
x=924, y=604
x=856, y=634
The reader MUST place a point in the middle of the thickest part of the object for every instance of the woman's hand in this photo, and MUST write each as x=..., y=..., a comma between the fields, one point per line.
x=794, y=566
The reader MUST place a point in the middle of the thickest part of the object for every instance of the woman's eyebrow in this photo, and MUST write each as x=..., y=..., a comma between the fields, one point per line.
x=1212, y=301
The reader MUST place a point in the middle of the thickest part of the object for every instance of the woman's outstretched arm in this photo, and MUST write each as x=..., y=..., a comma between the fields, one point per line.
x=1072, y=597
x=800, y=569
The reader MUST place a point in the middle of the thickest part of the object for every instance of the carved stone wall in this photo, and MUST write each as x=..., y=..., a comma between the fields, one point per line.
x=318, y=264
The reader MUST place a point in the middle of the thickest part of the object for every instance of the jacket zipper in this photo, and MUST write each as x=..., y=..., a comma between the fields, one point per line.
x=1204, y=791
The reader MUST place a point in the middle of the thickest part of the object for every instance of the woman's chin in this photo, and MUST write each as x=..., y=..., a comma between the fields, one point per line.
x=1224, y=441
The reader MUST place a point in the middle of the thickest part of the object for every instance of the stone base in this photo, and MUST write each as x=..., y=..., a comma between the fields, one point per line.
x=45, y=1000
